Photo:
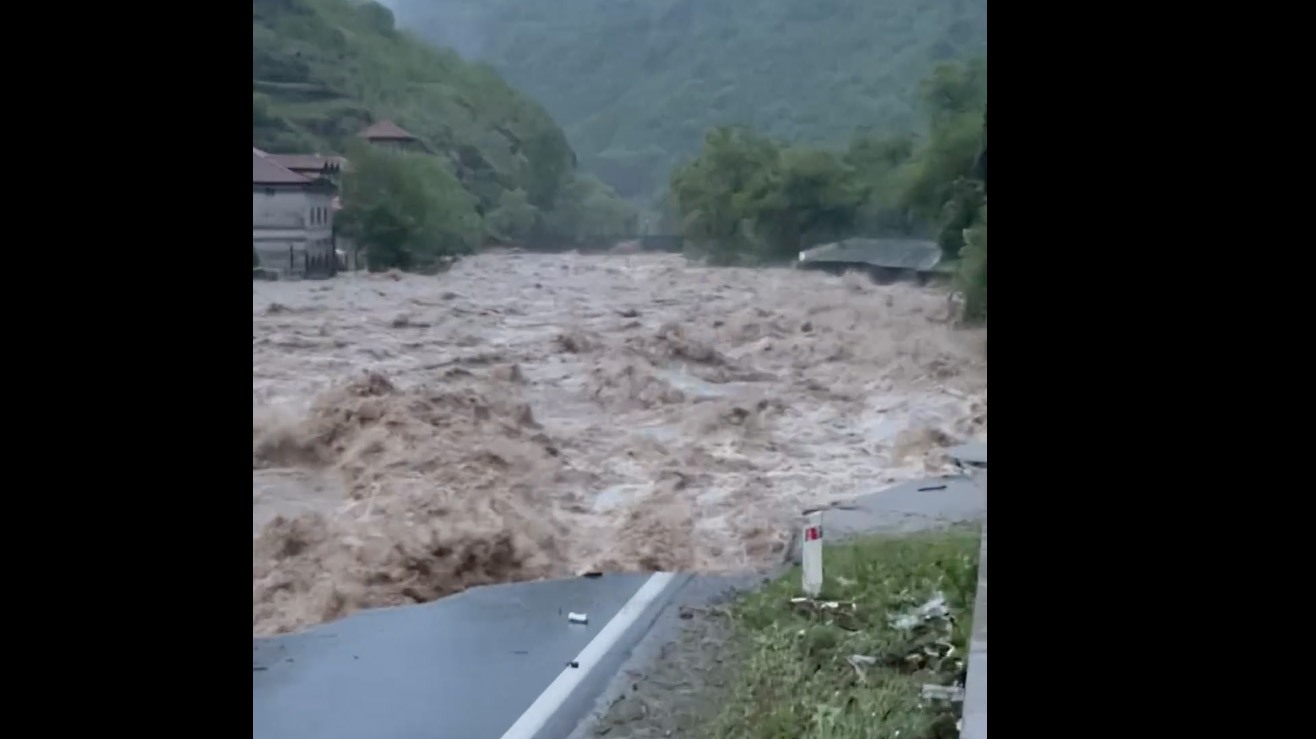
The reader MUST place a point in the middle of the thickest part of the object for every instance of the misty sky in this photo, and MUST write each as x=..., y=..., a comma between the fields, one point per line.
x=456, y=27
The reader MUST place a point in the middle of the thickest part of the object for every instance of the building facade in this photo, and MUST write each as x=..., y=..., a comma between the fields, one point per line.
x=292, y=219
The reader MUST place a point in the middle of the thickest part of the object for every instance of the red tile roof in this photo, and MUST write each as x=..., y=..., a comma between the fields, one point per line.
x=386, y=131
x=265, y=171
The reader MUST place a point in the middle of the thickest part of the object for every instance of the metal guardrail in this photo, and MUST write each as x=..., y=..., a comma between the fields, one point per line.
x=972, y=458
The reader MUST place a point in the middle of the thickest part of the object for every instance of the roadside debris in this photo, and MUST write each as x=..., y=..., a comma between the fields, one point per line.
x=934, y=608
x=809, y=604
x=842, y=613
x=953, y=693
x=929, y=647
x=860, y=662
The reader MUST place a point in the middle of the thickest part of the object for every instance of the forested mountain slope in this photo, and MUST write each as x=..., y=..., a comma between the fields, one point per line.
x=637, y=83
x=324, y=69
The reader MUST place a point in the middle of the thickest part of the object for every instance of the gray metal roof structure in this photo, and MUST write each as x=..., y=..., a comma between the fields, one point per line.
x=913, y=254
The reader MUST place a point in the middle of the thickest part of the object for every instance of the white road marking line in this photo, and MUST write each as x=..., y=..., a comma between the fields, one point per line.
x=561, y=688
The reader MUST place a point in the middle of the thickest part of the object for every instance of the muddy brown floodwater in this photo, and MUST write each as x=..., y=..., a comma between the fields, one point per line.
x=527, y=416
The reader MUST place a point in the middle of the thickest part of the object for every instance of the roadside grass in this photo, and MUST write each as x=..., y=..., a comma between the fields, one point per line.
x=798, y=676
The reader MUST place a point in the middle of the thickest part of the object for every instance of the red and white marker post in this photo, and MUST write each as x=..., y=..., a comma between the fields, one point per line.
x=811, y=552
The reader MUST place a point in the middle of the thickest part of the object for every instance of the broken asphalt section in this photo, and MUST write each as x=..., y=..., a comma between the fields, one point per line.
x=510, y=661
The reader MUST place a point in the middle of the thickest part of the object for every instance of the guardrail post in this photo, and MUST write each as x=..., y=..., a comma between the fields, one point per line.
x=811, y=551
x=972, y=458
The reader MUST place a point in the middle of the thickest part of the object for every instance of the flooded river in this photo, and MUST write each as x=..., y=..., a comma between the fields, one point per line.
x=526, y=416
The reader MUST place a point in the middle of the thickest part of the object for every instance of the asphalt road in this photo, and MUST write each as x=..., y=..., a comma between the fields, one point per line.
x=505, y=662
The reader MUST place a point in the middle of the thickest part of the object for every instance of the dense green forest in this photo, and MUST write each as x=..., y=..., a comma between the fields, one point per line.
x=500, y=167
x=747, y=198
x=637, y=83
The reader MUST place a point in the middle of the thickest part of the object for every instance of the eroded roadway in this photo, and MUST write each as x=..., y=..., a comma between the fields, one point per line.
x=504, y=662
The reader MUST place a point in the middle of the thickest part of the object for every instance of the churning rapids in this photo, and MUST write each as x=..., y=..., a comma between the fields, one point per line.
x=528, y=415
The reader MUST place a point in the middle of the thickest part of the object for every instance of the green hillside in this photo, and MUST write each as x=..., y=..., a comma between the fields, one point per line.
x=637, y=83
x=324, y=69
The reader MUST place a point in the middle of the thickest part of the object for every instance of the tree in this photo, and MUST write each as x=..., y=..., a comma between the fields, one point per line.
x=971, y=279
x=514, y=218
x=588, y=211
x=980, y=169
x=406, y=210
x=636, y=84
x=955, y=90
x=748, y=199
x=713, y=193
x=377, y=17
x=960, y=211
x=937, y=188
x=808, y=199
x=881, y=165
x=352, y=66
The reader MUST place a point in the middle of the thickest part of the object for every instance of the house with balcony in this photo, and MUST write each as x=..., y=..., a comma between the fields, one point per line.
x=292, y=218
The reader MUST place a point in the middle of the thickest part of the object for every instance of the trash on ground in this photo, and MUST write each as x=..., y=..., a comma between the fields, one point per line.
x=860, y=662
x=578, y=618
x=934, y=607
x=823, y=605
x=943, y=692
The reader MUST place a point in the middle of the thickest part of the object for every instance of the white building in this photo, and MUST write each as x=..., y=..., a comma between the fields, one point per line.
x=292, y=217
